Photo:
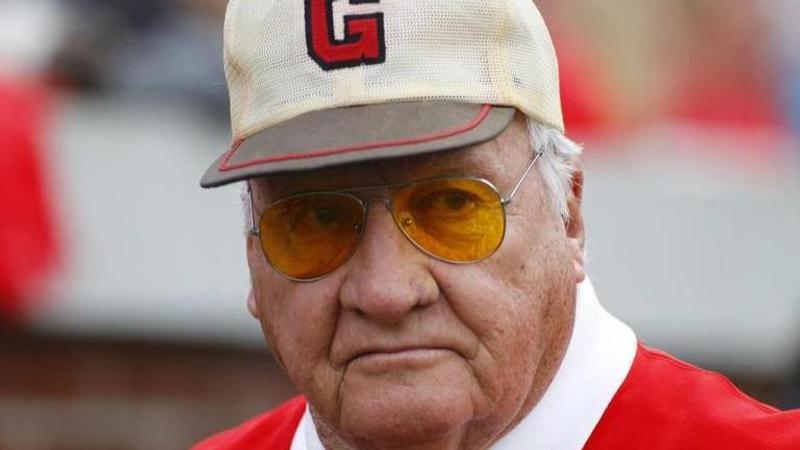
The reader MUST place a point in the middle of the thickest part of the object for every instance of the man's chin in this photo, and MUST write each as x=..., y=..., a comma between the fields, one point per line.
x=412, y=398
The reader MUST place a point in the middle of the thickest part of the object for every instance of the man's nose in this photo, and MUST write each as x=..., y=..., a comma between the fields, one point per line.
x=387, y=277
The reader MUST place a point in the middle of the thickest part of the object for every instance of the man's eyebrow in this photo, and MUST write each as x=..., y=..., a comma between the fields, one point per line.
x=279, y=186
x=468, y=165
x=271, y=192
x=268, y=191
x=462, y=161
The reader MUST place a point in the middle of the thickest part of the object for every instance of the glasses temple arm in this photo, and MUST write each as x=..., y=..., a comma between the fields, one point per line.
x=528, y=170
x=255, y=230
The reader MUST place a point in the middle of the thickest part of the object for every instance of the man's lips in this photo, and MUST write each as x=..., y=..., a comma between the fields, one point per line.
x=406, y=356
x=398, y=351
x=360, y=339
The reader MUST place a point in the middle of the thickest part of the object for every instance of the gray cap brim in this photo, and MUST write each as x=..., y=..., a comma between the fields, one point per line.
x=358, y=133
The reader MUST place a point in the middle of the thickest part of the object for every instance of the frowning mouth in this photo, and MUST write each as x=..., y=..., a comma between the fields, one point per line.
x=409, y=356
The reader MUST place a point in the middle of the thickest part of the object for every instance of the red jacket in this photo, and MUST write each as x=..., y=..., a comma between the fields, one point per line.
x=663, y=404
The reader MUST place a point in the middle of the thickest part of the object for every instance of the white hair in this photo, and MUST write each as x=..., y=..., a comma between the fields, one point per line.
x=556, y=165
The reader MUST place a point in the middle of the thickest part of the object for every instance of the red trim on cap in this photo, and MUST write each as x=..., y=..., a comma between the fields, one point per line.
x=477, y=120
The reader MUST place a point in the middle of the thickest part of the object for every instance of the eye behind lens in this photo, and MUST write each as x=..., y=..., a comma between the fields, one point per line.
x=310, y=235
x=456, y=220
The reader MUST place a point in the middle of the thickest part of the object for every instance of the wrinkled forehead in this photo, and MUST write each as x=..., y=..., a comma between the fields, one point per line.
x=493, y=160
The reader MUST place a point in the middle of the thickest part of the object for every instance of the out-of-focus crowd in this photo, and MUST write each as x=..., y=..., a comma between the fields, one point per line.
x=625, y=63
x=708, y=61
x=165, y=49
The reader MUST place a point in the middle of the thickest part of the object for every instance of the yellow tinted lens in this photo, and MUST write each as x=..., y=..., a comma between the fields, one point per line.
x=459, y=219
x=310, y=235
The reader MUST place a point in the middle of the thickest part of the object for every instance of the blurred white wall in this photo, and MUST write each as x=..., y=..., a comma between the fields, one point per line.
x=693, y=240
x=150, y=253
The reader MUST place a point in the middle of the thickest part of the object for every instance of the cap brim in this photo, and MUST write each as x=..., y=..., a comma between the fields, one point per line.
x=358, y=133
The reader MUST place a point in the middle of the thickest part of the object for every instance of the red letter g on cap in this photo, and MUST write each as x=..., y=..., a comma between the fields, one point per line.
x=364, y=39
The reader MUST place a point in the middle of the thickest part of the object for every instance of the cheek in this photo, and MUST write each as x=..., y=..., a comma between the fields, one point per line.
x=509, y=330
x=516, y=302
x=298, y=321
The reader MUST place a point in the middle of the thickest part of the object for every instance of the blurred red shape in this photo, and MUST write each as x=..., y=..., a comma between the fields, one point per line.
x=585, y=90
x=28, y=236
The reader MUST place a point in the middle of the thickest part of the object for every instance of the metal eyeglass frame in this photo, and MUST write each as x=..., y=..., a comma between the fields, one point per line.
x=387, y=201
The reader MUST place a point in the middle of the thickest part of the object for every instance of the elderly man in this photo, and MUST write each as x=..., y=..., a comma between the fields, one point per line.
x=416, y=245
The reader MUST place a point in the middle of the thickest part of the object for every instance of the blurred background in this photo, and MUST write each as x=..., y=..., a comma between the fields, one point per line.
x=122, y=284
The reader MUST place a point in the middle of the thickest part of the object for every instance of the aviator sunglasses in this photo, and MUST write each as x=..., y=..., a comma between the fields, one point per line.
x=456, y=219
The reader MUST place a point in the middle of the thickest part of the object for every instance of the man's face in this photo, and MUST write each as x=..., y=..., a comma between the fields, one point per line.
x=398, y=349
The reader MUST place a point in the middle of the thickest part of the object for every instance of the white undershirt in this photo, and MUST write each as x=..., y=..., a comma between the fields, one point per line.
x=598, y=358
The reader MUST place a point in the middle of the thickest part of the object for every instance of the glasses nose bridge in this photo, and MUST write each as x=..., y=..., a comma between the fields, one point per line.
x=386, y=200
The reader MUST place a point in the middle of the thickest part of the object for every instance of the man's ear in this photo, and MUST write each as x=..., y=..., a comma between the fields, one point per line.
x=252, y=305
x=574, y=225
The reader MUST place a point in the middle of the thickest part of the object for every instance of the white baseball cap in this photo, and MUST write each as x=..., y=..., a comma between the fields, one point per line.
x=315, y=83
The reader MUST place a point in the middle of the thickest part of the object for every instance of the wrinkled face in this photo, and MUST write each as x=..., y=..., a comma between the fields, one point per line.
x=398, y=349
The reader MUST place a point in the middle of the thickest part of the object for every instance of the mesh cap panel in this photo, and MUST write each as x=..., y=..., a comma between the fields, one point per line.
x=475, y=51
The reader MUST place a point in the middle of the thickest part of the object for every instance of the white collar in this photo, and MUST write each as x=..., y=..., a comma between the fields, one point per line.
x=598, y=358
